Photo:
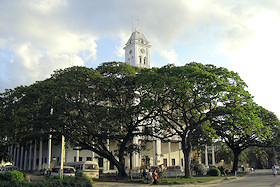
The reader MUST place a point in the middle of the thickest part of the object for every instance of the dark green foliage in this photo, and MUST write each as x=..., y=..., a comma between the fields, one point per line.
x=53, y=181
x=115, y=101
x=200, y=169
x=214, y=172
x=14, y=176
x=66, y=181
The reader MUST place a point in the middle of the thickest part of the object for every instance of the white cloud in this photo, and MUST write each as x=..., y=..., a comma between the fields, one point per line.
x=119, y=49
x=38, y=37
x=257, y=61
x=170, y=55
x=40, y=42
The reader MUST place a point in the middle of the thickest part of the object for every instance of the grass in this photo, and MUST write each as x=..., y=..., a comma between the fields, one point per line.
x=190, y=180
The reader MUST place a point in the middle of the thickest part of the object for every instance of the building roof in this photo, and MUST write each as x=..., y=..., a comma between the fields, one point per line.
x=137, y=35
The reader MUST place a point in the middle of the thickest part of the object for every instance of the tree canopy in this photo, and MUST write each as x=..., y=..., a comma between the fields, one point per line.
x=120, y=103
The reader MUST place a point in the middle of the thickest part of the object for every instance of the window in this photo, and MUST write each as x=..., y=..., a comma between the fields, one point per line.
x=111, y=165
x=165, y=162
x=55, y=169
x=45, y=160
x=145, y=60
x=57, y=159
x=68, y=170
x=75, y=159
x=89, y=158
x=80, y=159
x=173, y=161
x=89, y=166
x=140, y=59
x=100, y=162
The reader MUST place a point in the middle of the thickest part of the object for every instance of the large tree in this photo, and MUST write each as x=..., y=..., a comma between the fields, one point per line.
x=237, y=123
x=94, y=106
x=272, y=143
x=187, y=96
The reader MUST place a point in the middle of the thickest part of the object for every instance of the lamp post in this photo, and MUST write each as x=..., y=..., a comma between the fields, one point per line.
x=62, y=156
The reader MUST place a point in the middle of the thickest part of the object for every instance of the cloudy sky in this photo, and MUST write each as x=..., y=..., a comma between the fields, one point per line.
x=40, y=36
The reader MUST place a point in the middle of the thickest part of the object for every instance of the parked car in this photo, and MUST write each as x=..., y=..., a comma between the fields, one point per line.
x=67, y=170
x=8, y=168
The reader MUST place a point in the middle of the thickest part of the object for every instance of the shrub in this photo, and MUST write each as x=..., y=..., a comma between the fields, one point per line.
x=214, y=172
x=14, y=176
x=200, y=169
x=66, y=181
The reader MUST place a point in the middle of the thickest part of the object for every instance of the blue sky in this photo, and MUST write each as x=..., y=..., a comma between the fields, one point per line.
x=38, y=37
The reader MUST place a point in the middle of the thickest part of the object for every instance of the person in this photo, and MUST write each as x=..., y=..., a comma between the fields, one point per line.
x=79, y=172
x=155, y=177
x=274, y=171
x=144, y=174
x=149, y=177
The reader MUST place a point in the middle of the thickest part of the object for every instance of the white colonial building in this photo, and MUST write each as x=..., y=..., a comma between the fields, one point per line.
x=46, y=154
x=137, y=50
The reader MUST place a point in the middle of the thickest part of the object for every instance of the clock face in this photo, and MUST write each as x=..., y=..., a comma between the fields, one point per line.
x=142, y=50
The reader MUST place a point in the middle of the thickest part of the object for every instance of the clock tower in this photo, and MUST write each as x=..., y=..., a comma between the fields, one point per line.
x=137, y=50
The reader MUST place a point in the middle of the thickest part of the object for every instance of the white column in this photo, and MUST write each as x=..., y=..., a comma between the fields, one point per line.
x=21, y=158
x=107, y=161
x=34, y=155
x=169, y=153
x=199, y=156
x=40, y=155
x=77, y=155
x=93, y=156
x=17, y=163
x=154, y=153
x=135, y=157
x=65, y=153
x=140, y=154
x=9, y=153
x=158, y=152
x=49, y=152
x=14, y=157
x=180, y=160
x=206, y=156
x=11, y=149
x=25, y=159
x=30, y=156
x=213, y=155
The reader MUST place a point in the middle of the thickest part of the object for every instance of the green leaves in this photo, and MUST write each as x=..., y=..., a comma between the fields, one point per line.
x=117, y=101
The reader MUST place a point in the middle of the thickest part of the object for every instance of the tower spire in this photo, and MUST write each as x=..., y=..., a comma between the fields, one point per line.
x=137, y=50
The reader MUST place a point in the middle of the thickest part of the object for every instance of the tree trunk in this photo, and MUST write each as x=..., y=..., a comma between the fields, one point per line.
x=121, y=169
x=272, y=157
x=235, y=161
x=111, y=158
x=187, y=150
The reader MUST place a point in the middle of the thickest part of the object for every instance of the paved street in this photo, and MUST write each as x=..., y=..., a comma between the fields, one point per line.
x=260, y=178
